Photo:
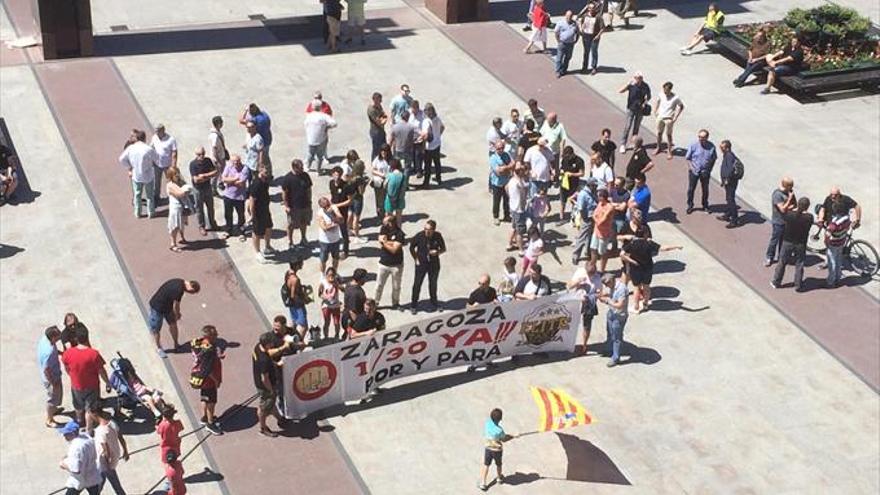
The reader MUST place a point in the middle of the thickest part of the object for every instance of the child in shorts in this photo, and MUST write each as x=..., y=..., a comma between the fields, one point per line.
x=149, y=396
x=495, y=436
x=533, y=251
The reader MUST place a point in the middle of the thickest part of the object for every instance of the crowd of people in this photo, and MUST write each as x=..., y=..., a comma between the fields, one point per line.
x=531, y=165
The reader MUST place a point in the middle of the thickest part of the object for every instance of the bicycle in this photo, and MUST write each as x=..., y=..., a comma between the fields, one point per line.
x=859, y=254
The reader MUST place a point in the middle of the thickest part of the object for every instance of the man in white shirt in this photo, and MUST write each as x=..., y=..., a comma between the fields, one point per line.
x=218, y=149
x=495, y=134
x=317, y=124
x=513, y=128
x=254, y=149
x=539, y=158
x=422, y=125
x=166, y=148
x=81, y=462
x=110, y=447
x=432, y=149
x=668, y=110
x=554, y=132
x=517, y=194
x=140, y=159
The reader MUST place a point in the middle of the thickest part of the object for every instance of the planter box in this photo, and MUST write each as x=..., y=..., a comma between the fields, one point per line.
x=458, y=11
x=866, y=76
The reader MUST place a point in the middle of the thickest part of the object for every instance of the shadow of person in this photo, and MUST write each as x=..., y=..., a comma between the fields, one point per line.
x=666, y=214
x=669, y=266
x=638, y=355
x=587, y=462
x=519, y=478
x=205, y=476
x=669, y=305
x=8, y=250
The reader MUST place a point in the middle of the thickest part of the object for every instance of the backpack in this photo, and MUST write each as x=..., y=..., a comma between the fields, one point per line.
x=738, y=170
x=205, y=356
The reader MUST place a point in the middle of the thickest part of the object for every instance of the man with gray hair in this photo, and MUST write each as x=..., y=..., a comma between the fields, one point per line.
x=794, y=244
x=617, y=299
x=202, y=171
x=731, y=173
x=566, y=36
x=140, y=158
x=166, y=147
x=701, y=157
x=584, y=205
x=317, y=125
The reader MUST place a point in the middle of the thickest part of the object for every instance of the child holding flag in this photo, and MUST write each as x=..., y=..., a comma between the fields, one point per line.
x=495, y=435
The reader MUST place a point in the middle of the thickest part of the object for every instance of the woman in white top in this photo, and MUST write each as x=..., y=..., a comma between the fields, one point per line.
x=378, y=174
x=178, y=195
x=587, y=281
x=601, y=171
x=330, y=304
x=329, y=233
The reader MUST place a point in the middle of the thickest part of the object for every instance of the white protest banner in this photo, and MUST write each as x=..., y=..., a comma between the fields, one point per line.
x=349, y=370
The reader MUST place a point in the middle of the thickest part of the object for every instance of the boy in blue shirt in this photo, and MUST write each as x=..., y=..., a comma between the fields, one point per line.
x=495, y=435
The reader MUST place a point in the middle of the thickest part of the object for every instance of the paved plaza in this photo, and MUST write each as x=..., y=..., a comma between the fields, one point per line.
x=733, y=387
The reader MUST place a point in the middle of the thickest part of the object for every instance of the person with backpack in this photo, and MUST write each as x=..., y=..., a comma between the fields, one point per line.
x=732, y=171
x=293, y=296
x=207, y=374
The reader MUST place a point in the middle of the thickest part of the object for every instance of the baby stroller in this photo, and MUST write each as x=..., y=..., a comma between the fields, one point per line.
x=130, y=389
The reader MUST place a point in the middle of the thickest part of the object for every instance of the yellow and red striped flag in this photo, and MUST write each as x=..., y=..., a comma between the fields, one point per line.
x=558, y=409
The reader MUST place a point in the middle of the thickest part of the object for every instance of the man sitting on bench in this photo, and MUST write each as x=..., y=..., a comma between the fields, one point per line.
x=787, y=62
x=709, y=30
x=757, y=56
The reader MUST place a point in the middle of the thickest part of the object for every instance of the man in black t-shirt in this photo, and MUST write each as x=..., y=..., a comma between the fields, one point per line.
x=258, y=208
x=8, y=173
x=848, y=203
x=165, y=304
x=639, y=162
x=638, y=256
x=391, y=241
x=787, y=62
x=484, y=293
x=341, y=193
x=794, y=244
x=605, y=147
x=426, y=248
x=202, y=171
x=529, y=138
x=572, y=166
x=266, y=378
x=296, y=195
x=354, y=298
x=368, y=322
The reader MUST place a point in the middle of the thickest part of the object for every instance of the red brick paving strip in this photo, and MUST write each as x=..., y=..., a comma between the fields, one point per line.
x=96, y=110
x=844, y=321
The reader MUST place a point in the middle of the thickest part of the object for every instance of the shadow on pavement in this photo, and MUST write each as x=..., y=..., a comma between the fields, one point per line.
x=8, y=250
x=669, y=266
x=587, y=462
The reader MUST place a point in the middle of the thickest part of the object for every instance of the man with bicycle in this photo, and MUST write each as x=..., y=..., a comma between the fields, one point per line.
x=824, y=214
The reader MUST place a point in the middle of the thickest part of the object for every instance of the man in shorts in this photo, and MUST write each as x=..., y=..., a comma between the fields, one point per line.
x=50, y=373
x=495, y=436
x=356, y=20
x=709, y=29
x=84, y=366
x=296, y=194
x=208, y=355
x=165, y=304
x=603, y=236
x=266, y=378
x=329, y=233
x=517, y=193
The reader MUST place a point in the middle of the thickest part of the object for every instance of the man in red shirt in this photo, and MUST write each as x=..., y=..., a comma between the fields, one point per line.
x=169, y=432
x=85, y=365
x=324, y=107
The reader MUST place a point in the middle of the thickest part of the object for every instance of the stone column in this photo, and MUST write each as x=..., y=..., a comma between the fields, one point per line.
x=65, y=28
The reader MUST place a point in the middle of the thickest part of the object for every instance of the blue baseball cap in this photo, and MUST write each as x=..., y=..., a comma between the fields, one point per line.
x=69, y=428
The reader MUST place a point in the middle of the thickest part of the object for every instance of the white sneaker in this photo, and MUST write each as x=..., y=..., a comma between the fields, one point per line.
x=261, y=259
x=685, y=52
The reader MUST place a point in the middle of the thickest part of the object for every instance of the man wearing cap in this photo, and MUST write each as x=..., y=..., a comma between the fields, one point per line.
x=81, y=462
x=140, y=158
x=166, y=148
x=638, y=94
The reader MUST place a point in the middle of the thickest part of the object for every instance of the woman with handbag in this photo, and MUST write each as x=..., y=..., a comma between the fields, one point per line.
x=378, y=177
x=179, y=206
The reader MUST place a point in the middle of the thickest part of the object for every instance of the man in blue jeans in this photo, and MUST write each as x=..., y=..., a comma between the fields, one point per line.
x=566, y=37
x=638, y=94
x=165, y=304
x=701, y=157
x=782, y=200
x=617, y=299
x=591, y=26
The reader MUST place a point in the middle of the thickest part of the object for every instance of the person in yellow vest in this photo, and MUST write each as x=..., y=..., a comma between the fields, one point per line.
x=708, y=31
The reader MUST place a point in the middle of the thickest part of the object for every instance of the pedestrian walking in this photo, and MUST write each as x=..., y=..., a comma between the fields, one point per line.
x=638, y=94
x=701, y=156
x=426, y=247
x=296, y=196
x=391, y=242
x=317, y=126
x=495, y=437
x=111, y=447
x=165, y=304
x=166, y=149
x=782, y=201
x=732, y=171
x=81, y=462
x=592, y=26
x=207, y=373
x=50, y=373
x=85, y=367
x=615, y=295
x=174, y=474
x=566, y=33
x=795, y=232
x=540, y=22
x=258, y=209
x=235, y=180
x=333, y=16
x=377, y=118
x=140, y=159
x=204, y=173
x=667, y=110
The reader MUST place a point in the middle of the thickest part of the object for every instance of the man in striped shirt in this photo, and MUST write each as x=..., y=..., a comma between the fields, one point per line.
x=836, y=229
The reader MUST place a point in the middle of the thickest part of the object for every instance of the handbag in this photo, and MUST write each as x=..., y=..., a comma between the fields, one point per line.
x=647, y=110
